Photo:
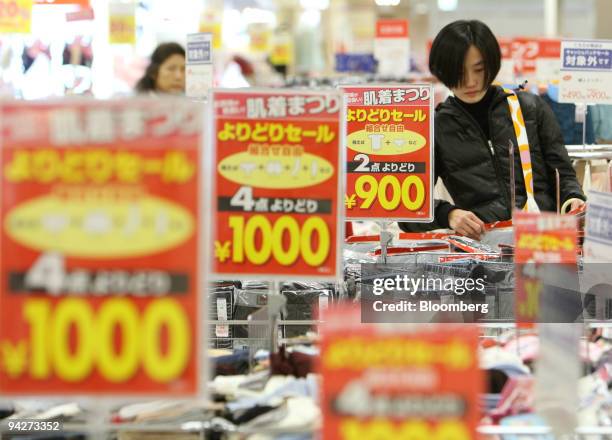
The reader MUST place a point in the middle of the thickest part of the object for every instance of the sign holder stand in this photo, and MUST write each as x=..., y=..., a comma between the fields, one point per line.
x=386, y=238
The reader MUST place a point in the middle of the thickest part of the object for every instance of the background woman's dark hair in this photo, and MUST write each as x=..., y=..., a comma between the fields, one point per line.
x=160, y=54
x=452, y=43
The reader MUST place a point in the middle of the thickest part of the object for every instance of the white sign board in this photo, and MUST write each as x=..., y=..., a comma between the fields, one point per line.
x=199, y=68
x=586, y=72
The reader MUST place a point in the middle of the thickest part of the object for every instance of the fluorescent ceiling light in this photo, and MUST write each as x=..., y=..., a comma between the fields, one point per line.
x=447, y=5
x=314, y=4
x=255, y=15
x=387, y=2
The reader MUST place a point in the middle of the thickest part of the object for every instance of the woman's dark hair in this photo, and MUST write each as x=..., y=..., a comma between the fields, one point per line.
x=159, y=56
x=451, y=45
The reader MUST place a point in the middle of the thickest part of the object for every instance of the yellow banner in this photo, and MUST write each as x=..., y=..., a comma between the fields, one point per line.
x=15, y=16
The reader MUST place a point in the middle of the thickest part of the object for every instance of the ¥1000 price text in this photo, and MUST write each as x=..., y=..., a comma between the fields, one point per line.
x=51, y=351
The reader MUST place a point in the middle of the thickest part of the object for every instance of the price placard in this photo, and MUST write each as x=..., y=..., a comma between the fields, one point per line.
x=277, y=175
x=586, y=71
x=389, y=147
x=540, y=239
x=100, y=212
x=422, y=384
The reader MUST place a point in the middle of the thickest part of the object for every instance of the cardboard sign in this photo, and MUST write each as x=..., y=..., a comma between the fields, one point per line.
x=389, y=153
x=586, y=72
x=15, y=16
x=99, y=263
x=421, y=384
x=392, y=47
x=276, y=202
x=542, y=238
x=199, y=67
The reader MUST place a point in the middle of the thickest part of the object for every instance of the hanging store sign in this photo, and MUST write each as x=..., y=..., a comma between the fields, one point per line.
x=525, y=53
x=586, y=72
x=100, y=207
x=548, y=65
x=122, y=23
x=15, y=16
x=276, y=185
x=389, y=153
x=420, y=384
x=506, y=70
x=392, y=47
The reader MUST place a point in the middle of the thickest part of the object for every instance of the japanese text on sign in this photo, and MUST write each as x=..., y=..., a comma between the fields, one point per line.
x=274, y=133
x=283, y=106
x=277, y=193
x=598, y=59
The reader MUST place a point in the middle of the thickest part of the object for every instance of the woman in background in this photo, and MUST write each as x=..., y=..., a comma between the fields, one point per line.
x=166, y=72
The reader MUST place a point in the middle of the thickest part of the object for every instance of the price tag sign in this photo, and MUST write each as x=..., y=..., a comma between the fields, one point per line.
x=15, y=16
x=542, y=238
x=422, y=384
x=389, y=147
x=276, y=211
x=99, y=261
x=586, y=71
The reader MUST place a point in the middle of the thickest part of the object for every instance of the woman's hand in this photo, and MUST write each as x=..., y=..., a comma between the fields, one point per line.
x=466, y=223
x=571, y=204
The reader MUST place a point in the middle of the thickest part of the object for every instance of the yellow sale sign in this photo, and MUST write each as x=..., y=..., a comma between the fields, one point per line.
x=15, y=16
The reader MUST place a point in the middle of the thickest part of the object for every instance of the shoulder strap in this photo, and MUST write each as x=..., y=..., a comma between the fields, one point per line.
x=523, y=145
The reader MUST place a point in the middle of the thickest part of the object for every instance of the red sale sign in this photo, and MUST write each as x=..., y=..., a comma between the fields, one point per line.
x=276, y=184
x=392, y=28
x=525, y=52
x=380, y=384
x=99, y=261
x=389, y=153
x=542, y=238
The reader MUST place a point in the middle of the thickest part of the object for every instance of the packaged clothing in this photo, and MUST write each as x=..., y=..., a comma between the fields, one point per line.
x=302, y=305
x=221, y=308
x=572, y=130
x=246, y=303
x=602, y=123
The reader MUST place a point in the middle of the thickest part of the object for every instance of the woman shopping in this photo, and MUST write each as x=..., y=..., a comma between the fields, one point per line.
x=473, y=132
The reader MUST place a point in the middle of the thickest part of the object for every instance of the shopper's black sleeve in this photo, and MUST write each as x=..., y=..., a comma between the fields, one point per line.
x=441, y=207
x=555, y=153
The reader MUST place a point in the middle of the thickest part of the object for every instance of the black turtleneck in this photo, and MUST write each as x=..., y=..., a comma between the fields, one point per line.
x=480, y=110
